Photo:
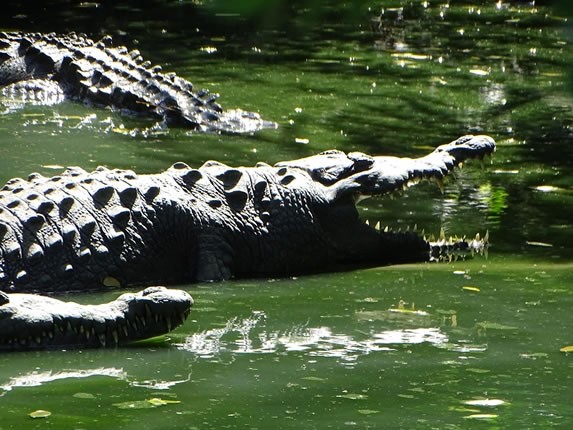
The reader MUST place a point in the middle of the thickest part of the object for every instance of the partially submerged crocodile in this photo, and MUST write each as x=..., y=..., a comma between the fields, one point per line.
x=29, y=321
x=84, y=231
x=49, y=68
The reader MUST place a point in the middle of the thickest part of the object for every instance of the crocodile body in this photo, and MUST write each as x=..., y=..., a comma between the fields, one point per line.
x=84, y=231
x=49, y=68
x=29, y=321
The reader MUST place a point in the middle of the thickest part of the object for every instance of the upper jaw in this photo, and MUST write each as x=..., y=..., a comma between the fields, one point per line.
x=363, y=175
x=387, y=174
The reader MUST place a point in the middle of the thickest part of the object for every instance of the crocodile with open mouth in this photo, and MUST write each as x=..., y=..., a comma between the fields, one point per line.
x=82, y=231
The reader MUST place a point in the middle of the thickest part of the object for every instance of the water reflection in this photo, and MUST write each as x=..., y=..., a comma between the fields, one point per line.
x=250, y=336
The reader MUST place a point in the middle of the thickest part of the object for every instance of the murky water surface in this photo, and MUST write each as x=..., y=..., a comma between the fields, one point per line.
x=471, y=344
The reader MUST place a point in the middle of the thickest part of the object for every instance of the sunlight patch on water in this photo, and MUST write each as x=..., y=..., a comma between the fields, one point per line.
x=37, y=378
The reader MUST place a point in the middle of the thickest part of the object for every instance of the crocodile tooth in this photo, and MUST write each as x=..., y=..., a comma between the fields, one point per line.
x=377, y=226
x=148, y=312
x=115, y=336
x=21, y=275
x=125, y=331
x=168, y=323
x=102, y=340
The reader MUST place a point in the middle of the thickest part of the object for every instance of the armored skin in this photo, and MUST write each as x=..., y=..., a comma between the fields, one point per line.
x=49, y=68
x=29, y=321
x=114, y=228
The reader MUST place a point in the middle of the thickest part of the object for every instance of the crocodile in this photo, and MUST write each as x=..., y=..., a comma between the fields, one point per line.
x=84, y=230
x=29, y=321
x=48, y=68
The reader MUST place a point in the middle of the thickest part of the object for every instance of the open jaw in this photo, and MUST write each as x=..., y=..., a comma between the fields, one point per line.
x=37, y=322
x=350, y=178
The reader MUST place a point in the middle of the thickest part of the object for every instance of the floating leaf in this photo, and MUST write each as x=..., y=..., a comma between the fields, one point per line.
x=84, y=396
x=162, y=402
x=567, y=348
x=470, y=288
x=482, y=416
x=485, y=402
x=40, y=413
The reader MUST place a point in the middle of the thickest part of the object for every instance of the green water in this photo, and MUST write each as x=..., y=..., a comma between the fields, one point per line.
x=471, y=344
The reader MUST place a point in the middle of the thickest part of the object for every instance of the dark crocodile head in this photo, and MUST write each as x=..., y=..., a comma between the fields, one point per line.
x=348, y=178
x=36, y=322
